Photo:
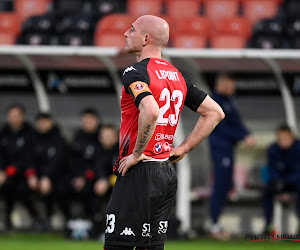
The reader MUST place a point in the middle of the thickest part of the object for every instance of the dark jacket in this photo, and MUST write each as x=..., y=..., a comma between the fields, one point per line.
x=83, y=153
x=50, y=154
x=284, y=164
x=16, y=150
x=105, y=159
x=231, y=129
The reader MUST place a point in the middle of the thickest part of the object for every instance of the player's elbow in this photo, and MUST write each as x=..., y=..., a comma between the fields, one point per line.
x=220, y=114
x=149, y=108
x=153, y=113
x=217, y=114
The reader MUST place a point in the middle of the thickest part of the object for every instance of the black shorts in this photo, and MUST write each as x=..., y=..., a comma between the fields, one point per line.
x=140, y=204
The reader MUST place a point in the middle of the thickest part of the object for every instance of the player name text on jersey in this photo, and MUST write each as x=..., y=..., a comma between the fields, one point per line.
x=166, y=74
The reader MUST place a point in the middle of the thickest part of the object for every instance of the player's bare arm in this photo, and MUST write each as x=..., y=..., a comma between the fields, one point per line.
x=148, y=116
x=211, y=114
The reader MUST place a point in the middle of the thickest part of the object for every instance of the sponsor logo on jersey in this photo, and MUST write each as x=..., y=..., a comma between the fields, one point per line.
x=127, y=231
x=128, y=69
x=157, y=147
x=139, y=86
x=166, y=74
x=159, y=62
x=160, y=136
x=167, y=146
x=146, y=230
x=163, y=227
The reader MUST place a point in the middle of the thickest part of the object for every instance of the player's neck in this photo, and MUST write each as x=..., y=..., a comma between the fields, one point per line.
x=149, y=54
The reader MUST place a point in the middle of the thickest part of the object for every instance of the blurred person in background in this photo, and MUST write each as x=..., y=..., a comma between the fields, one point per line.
x=107, y=153
x=83, y=159
x=50, y=158
x=223, y=141
x=283, y=171
x=17, y=175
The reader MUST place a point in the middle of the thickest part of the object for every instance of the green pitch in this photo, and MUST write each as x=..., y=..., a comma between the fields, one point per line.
x=55, y=242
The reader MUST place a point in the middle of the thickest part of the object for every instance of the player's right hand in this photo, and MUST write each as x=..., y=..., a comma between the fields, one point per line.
x=129, y=161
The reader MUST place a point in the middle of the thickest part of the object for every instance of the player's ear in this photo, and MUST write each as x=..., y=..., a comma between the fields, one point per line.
x=146, y=40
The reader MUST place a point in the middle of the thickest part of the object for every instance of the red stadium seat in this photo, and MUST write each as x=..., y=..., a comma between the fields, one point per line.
x=138, y=8
x=7, y=38
x=255, y=10
x=228, y=42
x=179, y=9
x=10, y=23
x=219, y=9
x=233, y=26
x=118, y=23
x=191, y=32
x=183, y=40
x=109, y=39
x=27, y=8
x=194, y=25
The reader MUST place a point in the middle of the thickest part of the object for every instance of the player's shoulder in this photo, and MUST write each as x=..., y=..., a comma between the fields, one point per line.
x=135, y=72
x=139, y=67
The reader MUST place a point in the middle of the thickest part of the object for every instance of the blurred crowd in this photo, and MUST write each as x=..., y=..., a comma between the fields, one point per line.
x=37, y=164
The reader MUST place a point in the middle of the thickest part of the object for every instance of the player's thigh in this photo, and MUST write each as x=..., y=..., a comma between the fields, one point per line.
x=128, y=209
x=161, y=206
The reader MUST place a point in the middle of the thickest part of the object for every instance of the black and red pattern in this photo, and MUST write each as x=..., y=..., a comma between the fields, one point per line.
x=170, y=89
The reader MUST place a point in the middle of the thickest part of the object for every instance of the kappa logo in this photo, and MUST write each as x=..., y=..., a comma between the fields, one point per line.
x=146, y=230
x=166, y=74
x=127, y=231
x=128, y=69
x=163, y=227
x=157, y=147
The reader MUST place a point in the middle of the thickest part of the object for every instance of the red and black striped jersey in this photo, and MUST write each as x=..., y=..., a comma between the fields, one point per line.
x=171, y=90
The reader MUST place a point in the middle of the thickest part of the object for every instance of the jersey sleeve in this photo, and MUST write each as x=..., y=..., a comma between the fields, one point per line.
x=136, y=82
x=194, y=96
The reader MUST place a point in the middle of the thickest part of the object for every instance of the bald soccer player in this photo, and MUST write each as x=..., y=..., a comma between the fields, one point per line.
x=153, y=95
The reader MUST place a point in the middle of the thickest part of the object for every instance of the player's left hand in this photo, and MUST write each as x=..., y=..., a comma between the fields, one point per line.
x=176, y=154
x=129, y=161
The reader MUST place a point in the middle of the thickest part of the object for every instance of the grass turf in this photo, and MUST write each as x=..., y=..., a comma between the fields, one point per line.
x=55, y=242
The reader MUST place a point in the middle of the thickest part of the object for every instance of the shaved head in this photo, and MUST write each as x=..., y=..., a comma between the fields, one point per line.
x=146, y=37
x=156, y=27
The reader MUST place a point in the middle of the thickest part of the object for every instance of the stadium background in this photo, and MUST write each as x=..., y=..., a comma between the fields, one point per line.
x=207, y=36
